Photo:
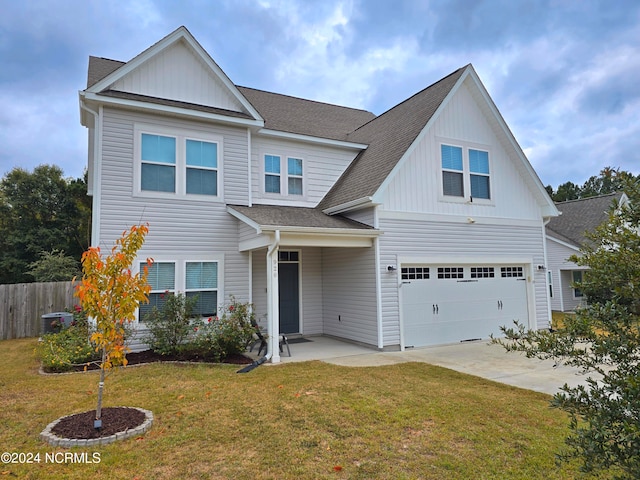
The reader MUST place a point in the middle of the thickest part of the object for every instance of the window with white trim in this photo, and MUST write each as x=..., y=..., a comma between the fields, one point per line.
x=577, y=280
x=201, y=281
x=191, y=277
x=176, y=163
x=161, y=277
x=272, y=174
x=283, y=175
x=465, y=172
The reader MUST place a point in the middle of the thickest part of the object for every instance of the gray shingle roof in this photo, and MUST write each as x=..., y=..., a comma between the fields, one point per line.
x=281, y=216
x=388, y=136
x=305, y=117
x=580, y=216
x=99, y=68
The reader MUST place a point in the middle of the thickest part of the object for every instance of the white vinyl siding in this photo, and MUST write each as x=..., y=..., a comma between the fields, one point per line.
x=430, y=239
x=177, y=226
x=349, y=294
x=321, y=168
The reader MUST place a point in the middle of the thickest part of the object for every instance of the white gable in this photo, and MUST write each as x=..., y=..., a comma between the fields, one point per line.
x=464, y=120
x=178, y=73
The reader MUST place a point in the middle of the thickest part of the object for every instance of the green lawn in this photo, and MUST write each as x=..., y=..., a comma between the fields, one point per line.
x=299, y=420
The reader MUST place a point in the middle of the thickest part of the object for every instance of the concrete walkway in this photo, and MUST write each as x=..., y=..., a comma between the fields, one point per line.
x=474, y=358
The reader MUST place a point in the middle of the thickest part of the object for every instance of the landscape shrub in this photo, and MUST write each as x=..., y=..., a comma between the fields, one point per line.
x=170, y=326
x=62, y=351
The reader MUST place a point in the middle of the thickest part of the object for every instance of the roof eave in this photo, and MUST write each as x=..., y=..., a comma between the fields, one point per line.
x=92, y=97
x=311, y=139
x=349, y=206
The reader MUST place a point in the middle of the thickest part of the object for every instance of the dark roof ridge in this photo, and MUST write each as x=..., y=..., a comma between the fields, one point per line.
x=303, y=99
x=411, y=97
x=619, y=192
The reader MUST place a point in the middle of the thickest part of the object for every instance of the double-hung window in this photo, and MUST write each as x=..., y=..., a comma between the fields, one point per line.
x=193, y=278
x=161, y=278
x=465, y=172
x=202, y=167
x=202, y=282
x=158, y=163
x=294, y=176
x=283, y=175
x=272, y=174
x=177, y=163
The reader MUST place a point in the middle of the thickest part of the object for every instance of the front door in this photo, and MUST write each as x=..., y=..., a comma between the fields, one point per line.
x=289, y=289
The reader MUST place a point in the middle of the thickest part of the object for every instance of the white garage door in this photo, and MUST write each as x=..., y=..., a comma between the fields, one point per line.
x=447, y=304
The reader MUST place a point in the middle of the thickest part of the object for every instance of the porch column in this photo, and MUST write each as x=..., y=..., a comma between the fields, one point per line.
x=273, y=295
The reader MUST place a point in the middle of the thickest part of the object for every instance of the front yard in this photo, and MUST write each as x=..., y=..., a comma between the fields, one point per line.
x=307, y=420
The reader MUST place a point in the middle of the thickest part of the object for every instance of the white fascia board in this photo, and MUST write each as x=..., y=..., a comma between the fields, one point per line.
x=336, y=232
x=311, y=139
x=352, y=205
x=245, y=219
x=565, y=244
x=184, y=112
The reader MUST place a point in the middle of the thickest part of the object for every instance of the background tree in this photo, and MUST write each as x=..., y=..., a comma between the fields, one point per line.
x=109, y=293
x=610, y=180
x=602, y=338
x=54, y=267
x=40, y=211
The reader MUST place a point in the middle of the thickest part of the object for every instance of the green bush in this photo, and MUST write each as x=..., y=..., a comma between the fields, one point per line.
x=62, y=351
x=170, y=326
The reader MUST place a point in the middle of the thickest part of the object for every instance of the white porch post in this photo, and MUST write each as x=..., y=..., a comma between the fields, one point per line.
x=273, y=295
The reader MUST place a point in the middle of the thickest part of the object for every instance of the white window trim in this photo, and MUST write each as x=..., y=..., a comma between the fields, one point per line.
x=284, y=175
x=181, y=137
x=180, y=262
x=466, y=173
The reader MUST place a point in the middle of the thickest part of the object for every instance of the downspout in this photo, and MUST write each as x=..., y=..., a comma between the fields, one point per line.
x=545, y=221
x=272, y=330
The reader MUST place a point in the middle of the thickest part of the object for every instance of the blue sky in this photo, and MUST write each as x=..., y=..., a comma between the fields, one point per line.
x=565, y=74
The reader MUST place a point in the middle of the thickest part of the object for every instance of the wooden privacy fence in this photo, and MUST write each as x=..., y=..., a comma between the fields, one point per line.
x=23, y=304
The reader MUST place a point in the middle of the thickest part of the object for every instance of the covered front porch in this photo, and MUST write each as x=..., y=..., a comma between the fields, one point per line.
x=317, y=347
x=310, y=275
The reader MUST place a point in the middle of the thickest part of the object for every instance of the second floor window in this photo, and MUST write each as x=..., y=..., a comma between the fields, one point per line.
x=180, y=164
x=283, y=175
x=465, y=172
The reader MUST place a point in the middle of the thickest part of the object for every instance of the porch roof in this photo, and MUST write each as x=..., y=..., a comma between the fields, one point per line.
x=301, y=226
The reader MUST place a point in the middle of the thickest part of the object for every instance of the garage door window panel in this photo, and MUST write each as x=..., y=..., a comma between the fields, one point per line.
x=482, y=272
x=450, y=272
x=415, y=273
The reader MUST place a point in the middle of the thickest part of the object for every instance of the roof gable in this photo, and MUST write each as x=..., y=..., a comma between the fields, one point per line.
x=393, y=135
x=176, y=69
x=581, y=216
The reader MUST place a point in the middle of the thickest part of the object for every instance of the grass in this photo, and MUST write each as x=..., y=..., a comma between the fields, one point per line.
x=295, y=421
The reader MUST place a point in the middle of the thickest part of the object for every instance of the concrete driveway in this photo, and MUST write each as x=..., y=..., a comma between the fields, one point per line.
x=478, y=358
x=481, y=359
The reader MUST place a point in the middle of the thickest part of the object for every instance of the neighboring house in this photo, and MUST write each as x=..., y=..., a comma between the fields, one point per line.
x=565, y=236
x=422, y=226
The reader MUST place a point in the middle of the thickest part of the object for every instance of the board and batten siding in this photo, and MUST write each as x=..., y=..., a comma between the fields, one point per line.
x=467, y=242
x=322, y=166
x=179, y=74
x=349, y=294
x=176, y=225
x=417, y=186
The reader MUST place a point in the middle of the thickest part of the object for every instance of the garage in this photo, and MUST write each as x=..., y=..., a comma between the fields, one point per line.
x=454, y=303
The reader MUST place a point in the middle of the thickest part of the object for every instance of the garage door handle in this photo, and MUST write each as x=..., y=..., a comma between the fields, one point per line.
x=499, y=305
x=435, y=309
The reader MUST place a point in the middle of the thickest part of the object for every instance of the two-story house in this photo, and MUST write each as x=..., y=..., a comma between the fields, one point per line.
x=421, y=226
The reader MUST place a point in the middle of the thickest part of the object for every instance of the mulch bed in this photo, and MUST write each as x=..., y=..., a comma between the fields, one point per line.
x=114, y=420
x=149, y=356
